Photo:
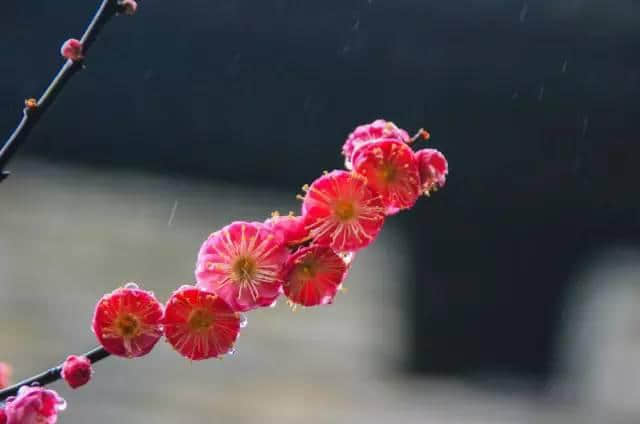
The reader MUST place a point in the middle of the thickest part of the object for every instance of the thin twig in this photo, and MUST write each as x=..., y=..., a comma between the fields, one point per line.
x=31, y=115
x=50, y=375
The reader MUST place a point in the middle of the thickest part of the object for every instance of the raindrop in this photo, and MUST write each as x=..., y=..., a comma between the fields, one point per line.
x=524, y=11
x=356, y=26
x=585, y=125
x=541, y=93
x=173, y=213
x=231, y=352
x=347, y=257
x=131, y=286
x=243, y=320
x=564, y=66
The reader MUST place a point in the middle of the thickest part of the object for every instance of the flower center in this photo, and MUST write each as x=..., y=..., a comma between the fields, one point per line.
x=306, y=271
x=387, y=172
x=244, y=269
x=345, y=210
x=200, y=320
x=128, y=325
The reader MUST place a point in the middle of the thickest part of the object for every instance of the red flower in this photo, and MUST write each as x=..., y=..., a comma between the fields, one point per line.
x=127, y=321
x=72, y=50
x=376, y=130
x=290, y=229
x=34, y=405
x=313, y=276
x=342, y=212
x=391, y=169
x=199, y=324
x=5, y=375
x=77, y=371
x=433, y=169
x=242, y=263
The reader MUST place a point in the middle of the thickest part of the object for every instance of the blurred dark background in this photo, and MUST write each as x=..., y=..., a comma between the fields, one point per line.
x=535, y=104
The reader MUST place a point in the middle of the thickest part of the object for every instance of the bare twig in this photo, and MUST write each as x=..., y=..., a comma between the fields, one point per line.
x=50, y=375
x=34, y=110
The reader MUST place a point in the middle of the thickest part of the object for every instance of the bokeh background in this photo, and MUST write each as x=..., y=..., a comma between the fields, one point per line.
x=510, y=296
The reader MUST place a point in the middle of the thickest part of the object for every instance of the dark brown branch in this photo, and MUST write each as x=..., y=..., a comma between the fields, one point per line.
x=31, y=115
x=50, y=375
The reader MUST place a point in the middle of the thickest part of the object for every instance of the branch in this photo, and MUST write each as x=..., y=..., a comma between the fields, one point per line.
x=34, y=111
x=50, y=375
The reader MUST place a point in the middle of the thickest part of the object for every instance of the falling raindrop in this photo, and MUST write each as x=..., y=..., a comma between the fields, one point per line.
x=243, y=320
x=541, y=93
x=173, y=213
x=524, y=11
x=585, y=125
x=564, y=66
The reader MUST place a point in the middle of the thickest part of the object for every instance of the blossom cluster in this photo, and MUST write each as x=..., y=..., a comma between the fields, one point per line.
x=305, y=257
x=248, y=265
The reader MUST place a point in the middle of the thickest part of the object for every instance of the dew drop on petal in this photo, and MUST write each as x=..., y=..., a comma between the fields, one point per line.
x=243, y=320
x=347, y=257
x=131, y=286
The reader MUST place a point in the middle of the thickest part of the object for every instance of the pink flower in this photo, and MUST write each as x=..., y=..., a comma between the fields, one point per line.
x=5, y=375
x=342, y=212
x=290, y=229
x=199, y=324
x=370, y=132
x=433, y=169
x=391, y=169
x=34, y=405
x=242, y=263
x=313, y=276
x=72, y=50
x=127, y=321
x=77, y=371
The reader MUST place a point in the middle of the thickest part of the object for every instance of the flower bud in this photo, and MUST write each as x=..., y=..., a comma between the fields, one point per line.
x=77, y=371
x=128, y=7
x=72, y=50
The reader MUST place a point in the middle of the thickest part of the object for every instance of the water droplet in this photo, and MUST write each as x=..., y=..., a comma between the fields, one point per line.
x=326, y=300
x=347, y=257
x=243, y=320
x=541, y=93
x=231, y=352
x=131, y=286
x=524, y=11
